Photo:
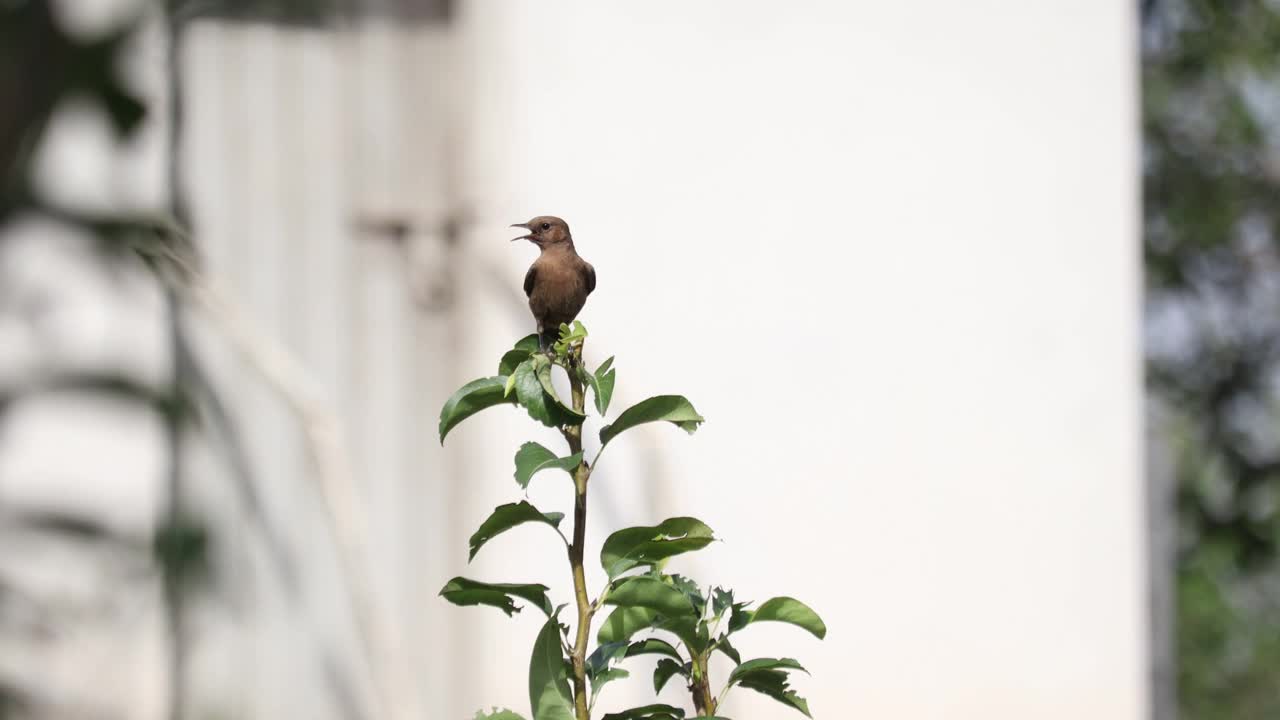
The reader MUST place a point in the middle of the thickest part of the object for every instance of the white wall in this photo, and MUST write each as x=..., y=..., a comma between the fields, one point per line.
x=890, y=251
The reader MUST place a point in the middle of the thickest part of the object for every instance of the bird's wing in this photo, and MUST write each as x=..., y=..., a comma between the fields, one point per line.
x=529, y=278
x=591, y=277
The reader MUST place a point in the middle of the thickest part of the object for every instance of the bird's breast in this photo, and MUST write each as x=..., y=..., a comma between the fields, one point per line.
x=559, y=289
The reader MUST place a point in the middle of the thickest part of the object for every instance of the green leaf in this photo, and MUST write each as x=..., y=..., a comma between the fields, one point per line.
x=461, y=591
x=651, y=544
x=542, y=367
x=507, y=516
x=624, y=622
x=604, y=366
x=790, y=610
x=533, y=398
x=569, y=336
x=656, y=711
x=524, y=348
x=548, y=680
x=652, y=646
x=691, y=631
x=469, y=400
x=726, y=647
x=604, y=655
x=530, y=395
x=671, y=408
x=721, y=600
x=511, y=359
x=692, y=592
x=590, y=380
x=774, y=684
x=664, y=671
x=602, y=382
x=497, y=714
x=754, y=666
x=599, y=680
x=533, y=458
x=740, y=617
x=651, y=594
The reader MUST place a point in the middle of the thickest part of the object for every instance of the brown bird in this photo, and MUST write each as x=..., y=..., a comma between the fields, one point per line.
x=559, y=281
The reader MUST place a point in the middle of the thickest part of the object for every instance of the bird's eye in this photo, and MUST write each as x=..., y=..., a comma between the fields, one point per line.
x=546, y=226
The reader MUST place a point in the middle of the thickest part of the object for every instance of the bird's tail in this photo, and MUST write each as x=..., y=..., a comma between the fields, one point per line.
x=547, y=338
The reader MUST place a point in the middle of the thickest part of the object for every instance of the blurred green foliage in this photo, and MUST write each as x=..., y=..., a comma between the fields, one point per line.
x=1211, y=164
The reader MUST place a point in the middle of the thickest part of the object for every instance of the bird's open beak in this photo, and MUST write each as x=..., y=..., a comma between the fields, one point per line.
x=522, y=237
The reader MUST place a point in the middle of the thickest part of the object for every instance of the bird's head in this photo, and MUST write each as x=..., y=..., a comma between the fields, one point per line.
x=544, y=231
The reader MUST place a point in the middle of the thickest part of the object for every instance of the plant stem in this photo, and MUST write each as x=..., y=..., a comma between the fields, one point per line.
x=573, y=434
x=704, y=701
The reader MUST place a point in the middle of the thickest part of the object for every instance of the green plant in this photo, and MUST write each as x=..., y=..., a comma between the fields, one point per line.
x=565, y=680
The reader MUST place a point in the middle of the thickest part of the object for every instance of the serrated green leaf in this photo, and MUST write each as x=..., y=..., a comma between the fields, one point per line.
x=533, y=458
x=754, y=666
x=469, y=400
x=740, y=617
x=651, y=544
x=664, y=671
x=505, y=517
x=792, y=611
x=656, y=711
x=692, y=592
x=624, y=622
x=721, y=600
x=773, y=683
x=651, y=594
x=674, y=409
x=464, y=592
x=549, y=695
x=497, y=714
x=652, y=646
